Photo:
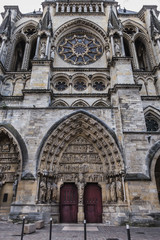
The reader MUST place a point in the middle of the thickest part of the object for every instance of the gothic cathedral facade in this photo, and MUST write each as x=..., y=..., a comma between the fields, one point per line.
x=80, y=113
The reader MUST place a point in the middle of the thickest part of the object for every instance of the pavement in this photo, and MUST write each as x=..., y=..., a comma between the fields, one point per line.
x=10, y=231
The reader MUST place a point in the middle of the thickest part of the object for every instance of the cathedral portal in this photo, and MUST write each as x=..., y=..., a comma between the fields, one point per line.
x=81, y=165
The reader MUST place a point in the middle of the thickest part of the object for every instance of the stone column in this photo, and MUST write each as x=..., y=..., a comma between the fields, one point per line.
x=2, y=46
x=158, y=43
x=37, y=47
x=135, y=55
x=112, y=45
x=57, y=7
x=80, y=203
x=102, y=7
x=122, y=46
x=47, y=46
x=26, y=56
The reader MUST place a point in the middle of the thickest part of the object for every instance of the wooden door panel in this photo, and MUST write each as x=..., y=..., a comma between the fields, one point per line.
x=68, y=203
x=93, y=203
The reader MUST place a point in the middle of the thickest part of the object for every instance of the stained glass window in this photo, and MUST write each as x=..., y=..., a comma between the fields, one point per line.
x=61, y=85
x=99, y=85
x=151, y=123
x=80, y=48
x=80, y=85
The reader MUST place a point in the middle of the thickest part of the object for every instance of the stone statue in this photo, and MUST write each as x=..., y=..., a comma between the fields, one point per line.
x=81, y=192
x=49, y=191
x=42, y=50
x=54, y=192
x=117, y=47
x=52, y=52
x=108, y=191
x=15, y=184
x=113, y=191
x=119, y=189
x=107, y=52
x=43, y=190
x=90, y=8
x=40, y=25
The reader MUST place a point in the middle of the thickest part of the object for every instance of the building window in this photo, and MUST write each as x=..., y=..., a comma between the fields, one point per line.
x=151, y=123
x=80, y=85
x=61, y=85
x=99, y=85
x=80, y=48
x=5, y=197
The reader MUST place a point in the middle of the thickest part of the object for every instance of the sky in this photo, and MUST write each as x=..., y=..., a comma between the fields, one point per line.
x=29, y=5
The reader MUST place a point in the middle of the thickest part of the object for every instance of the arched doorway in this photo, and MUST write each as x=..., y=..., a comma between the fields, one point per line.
x=157, y=176
x=68, y=203
x=93, y=203
x=10, y=168
x=80, y=150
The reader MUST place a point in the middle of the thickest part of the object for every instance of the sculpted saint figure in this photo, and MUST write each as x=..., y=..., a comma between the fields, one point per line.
x=113, y=191
x=52, y=52
x=119, y=189
x=49, y=191
x=43, y=190
x=117, y=47
x=54, y=193
x=42, y=50
x=108, y=191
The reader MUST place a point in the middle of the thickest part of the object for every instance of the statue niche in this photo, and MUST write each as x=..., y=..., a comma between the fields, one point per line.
x=18, y=56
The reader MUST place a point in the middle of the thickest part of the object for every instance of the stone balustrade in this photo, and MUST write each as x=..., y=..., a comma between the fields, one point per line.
x=79, y=7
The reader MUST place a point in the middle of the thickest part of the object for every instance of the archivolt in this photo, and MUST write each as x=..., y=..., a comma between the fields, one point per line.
x=79, y=22
x=16, y=147
x=97, y=133
x=18, y=142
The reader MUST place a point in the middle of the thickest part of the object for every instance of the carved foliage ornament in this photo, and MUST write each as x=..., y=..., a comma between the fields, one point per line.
x=80, y=48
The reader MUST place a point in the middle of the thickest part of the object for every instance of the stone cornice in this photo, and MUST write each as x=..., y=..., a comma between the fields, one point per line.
x=70, y=95
x=123, y=86
x=145, y=133
x=136, y=177
x=55, y=69
x=152, y=98
x=41, y=62
x=38, y=91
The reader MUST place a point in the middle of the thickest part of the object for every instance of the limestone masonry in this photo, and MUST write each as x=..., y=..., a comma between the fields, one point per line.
x=80, y=113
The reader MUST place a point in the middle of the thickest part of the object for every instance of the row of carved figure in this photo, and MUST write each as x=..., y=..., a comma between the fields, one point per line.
x=114, y=190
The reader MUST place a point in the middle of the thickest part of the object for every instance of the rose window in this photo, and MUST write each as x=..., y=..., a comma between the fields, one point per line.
x=61, y=85
x=80, y=85
x=80, y=49
x=99, y=85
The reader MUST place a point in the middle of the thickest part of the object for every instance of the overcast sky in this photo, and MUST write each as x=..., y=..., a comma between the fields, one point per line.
x=29, y=5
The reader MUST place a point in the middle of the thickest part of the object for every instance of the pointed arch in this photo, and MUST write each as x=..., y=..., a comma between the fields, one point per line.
x=13, y=134
x=154, y=111
x=100, y=103
x=80, y=103
x=152, y=118
x=60, y=103
x=153, y=153
x=80, y=23
x=76, y=125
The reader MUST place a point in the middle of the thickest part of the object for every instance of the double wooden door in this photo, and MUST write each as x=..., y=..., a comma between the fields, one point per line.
x=93, y=203
x=68, y=203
